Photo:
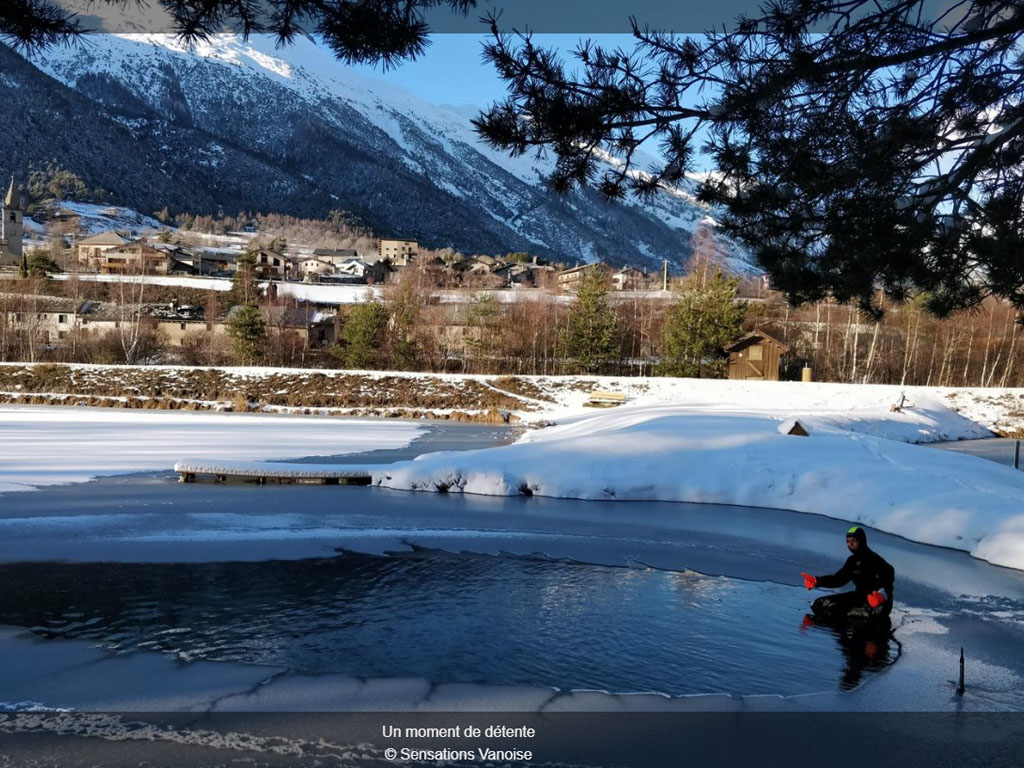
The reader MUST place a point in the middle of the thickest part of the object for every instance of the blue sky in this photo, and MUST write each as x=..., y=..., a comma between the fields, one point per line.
x=452, y=72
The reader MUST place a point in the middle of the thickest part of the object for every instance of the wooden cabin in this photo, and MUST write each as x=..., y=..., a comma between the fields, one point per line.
x=756, y=356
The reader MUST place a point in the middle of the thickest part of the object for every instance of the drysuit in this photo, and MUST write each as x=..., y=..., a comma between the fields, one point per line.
x=869, y=573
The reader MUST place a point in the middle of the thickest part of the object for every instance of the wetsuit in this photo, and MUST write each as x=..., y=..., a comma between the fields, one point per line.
x=868, y=571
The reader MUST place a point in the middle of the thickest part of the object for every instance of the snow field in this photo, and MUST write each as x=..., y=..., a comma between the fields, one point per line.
x=53, y=445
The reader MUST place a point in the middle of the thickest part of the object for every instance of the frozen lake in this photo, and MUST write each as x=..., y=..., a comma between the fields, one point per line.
x=360, y=582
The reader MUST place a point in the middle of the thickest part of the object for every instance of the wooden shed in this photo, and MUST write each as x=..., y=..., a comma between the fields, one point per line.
x=756, y=356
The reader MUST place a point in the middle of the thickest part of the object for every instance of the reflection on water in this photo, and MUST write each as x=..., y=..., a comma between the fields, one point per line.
x=865, y=645
x=445, y=618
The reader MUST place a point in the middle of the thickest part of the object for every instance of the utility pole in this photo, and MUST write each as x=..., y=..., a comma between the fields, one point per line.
x=664, y=274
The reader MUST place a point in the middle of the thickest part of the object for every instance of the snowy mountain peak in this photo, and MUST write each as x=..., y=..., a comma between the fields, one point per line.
x=326, y=136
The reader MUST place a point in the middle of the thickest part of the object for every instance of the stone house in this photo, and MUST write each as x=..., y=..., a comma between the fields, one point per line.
x=135, y=258
x=47, y=319
x=629, y=279
x=273, y=265
x=571, y=279
x=310, y=269
x=335, y=256
x=398, y=252
x=208, y=262
x=90, y=250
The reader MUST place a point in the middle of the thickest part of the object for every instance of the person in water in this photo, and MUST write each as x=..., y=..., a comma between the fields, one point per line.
x=872, y=579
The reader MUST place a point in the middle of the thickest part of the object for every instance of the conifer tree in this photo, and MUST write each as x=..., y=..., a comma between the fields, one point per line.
x=403, y=306
x=483, y=315
x=40, y=264
x=589, y=339
x=248, y=332
x=363, y=335
x=706, y=318
x=244, y=286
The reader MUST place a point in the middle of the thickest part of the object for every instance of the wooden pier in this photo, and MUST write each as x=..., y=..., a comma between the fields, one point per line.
x=280, y=473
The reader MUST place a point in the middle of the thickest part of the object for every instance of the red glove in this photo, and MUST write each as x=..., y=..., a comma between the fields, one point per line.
x=809, y=581
x=875, y=599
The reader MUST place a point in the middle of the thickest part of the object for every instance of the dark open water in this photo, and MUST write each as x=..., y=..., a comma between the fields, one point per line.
x=452, y=618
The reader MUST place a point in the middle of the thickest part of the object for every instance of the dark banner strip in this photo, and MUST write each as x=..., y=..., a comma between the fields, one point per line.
x=694, y=740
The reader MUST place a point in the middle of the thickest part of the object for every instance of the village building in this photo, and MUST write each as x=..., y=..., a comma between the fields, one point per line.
x=207, y=262
x=398, y=252
x=135, y=258
x=314, y=327
x=273, y=265
x=12, y=229
x=757, y=356
x=50, y=320
x=630, y=279
x=335, y=256
x=488, y=261
x=572, y=279
x=182, y=260
x=451, y=328
x=310, y=269
x=542, y=275
x=177, y=322
x=515, y=275
x=46, y=319
x=372, y=274
x=481, y=265
x=90, y=250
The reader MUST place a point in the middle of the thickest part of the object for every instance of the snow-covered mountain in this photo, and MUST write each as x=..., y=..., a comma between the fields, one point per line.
x=296, y=131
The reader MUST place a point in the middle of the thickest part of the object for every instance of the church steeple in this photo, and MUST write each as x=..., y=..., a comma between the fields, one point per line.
x=11, y=222
x=13, y=199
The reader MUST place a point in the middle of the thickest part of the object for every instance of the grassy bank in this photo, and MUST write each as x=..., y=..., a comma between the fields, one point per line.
x=304, y=392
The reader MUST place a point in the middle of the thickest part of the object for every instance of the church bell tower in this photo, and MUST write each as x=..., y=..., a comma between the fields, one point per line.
x=13, y=220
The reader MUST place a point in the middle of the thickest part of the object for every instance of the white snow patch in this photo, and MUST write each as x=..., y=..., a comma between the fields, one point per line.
x=54, y=445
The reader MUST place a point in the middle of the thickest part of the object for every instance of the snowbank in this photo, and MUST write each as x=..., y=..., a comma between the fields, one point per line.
x=48, y=446
x=855, y=465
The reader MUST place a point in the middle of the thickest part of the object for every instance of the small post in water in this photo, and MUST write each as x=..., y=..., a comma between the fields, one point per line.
x=960, y=688
x=1016, y=455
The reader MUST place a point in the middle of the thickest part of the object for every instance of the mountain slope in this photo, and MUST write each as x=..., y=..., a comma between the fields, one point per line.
x=238, y=125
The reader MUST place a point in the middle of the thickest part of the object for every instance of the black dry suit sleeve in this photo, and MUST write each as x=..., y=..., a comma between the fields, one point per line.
x=888, y=575
x=837, y=579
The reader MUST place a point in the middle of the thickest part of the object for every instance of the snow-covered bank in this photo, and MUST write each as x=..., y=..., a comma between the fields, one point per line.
x=928, y=414
x=855, y=465
x=47, y=445
x=535, y=400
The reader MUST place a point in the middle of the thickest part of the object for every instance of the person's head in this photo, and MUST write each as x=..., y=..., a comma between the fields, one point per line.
x=856, y=539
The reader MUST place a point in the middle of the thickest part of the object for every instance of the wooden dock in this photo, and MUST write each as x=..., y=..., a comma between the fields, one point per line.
x=280, y=473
